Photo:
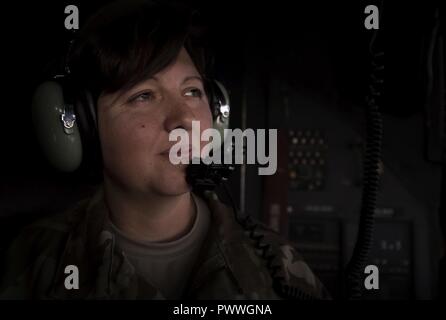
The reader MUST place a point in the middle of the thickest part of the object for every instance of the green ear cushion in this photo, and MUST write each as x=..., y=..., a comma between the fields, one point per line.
x=64, y=151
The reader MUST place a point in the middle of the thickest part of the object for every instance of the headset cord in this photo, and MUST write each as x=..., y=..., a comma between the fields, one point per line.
x=279, y=285
x=374, y=132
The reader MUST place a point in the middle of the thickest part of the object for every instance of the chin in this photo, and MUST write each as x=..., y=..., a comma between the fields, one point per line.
x=173, y=183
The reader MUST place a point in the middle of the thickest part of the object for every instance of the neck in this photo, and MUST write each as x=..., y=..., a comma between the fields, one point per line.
x=149, y=216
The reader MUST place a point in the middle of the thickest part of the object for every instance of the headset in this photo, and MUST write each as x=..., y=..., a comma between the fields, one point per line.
x=66, y=124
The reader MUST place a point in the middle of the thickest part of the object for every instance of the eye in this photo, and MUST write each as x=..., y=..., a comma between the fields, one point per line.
x=194, y=92
x=142, y=97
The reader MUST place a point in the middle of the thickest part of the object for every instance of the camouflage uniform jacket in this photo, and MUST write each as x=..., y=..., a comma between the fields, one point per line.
x=228, y=267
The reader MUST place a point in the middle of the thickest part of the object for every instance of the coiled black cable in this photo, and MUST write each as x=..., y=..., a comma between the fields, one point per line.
x=279, y=284
x=372, y=157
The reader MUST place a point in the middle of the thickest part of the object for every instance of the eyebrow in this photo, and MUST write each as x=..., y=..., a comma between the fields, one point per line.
x=188, y=78
x=192, y=78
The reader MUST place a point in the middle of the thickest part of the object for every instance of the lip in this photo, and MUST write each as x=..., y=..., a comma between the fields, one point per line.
x=167, y=151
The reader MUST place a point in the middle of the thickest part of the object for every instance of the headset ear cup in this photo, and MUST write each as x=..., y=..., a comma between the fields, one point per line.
x=220, y=107
x=56, y=130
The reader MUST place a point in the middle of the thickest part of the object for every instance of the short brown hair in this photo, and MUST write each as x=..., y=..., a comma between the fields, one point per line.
x=128, y=41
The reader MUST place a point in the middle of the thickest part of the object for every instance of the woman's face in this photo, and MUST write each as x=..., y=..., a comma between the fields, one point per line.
x=134, y=128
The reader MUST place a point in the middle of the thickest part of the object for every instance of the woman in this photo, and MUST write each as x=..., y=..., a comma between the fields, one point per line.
x=145, y=235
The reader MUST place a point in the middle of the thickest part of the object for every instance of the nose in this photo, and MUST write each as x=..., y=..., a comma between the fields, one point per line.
x=180, y=115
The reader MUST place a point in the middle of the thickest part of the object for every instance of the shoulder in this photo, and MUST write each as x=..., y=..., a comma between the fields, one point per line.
x=290, y=268
x=290, y=274
x=41, y=234
x=33, y=255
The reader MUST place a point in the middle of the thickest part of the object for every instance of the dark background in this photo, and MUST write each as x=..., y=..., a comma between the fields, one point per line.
x=302, y=68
